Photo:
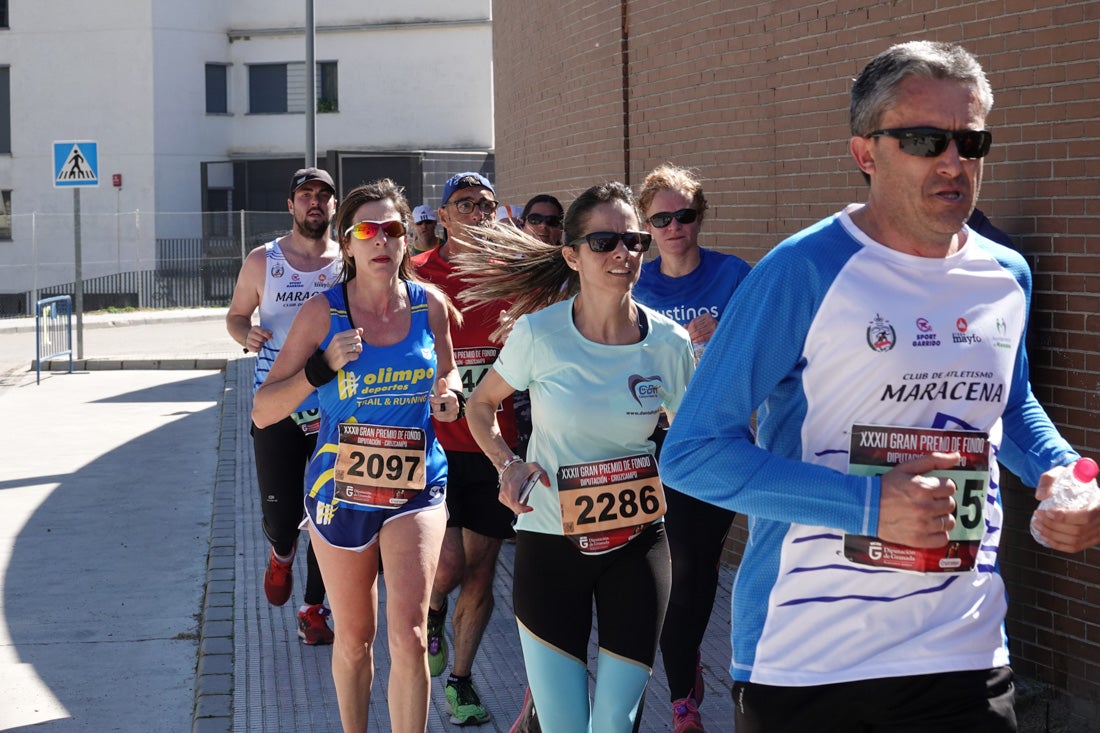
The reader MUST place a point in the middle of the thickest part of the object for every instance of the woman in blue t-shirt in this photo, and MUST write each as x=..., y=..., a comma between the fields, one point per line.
x=690, y=285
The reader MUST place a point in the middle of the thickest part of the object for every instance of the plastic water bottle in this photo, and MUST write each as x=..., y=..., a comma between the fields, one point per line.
x=1073, y=489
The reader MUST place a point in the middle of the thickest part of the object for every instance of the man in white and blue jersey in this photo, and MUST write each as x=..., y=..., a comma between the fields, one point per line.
x=870, y=600
x=275, y=280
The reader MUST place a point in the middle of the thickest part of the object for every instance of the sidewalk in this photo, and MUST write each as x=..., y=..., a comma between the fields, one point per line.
x=132, y=556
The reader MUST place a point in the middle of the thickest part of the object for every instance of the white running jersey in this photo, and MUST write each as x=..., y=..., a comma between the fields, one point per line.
x=285, y=290
x=832, y=329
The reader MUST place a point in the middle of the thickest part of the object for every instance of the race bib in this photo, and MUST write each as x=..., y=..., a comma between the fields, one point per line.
x=308, y=420
x=876, y=449
x=473, y=364
x=605, y=504
x=378, y=466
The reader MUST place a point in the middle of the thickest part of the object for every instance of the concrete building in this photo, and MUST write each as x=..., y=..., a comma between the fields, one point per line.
x=200, y=107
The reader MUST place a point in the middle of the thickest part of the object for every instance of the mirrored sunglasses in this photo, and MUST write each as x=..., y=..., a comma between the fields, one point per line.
x=369, y=229
x=930, y=142
x=537, y=220
x=663, y=218
x=608, y=241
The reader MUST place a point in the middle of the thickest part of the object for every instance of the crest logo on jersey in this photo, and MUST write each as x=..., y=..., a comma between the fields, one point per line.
x=880, y=335
x=277, y=271
x=644, y=388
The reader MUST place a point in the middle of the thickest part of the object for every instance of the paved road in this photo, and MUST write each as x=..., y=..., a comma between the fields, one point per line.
x=131, y=555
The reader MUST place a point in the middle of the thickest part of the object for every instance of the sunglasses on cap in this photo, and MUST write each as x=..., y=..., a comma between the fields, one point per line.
x=465, y=206
x=537, y=220
x=369, y=229
x=663, y=218
x=930, y=142
x=608, y=241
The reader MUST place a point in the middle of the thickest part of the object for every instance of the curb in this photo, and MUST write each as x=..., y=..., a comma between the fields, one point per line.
x=213, y=710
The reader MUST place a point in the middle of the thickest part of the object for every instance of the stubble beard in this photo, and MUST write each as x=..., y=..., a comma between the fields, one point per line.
x=311, y=231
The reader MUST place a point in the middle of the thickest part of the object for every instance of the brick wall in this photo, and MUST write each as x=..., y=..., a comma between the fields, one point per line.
x=755, y=98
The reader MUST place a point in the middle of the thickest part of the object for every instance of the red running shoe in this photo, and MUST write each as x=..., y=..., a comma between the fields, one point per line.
x=313, y=626
x=278, y=580
x=685, y=717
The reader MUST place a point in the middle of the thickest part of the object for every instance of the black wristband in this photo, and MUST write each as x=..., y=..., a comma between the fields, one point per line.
x=461, y=403
x=317, y=369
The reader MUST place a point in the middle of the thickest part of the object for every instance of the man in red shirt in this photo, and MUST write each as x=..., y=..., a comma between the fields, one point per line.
x=477, y=522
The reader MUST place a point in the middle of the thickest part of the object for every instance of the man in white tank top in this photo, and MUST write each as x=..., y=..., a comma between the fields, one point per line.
x=275, y=280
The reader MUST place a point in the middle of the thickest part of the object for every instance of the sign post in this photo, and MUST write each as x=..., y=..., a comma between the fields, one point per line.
x=76, y=166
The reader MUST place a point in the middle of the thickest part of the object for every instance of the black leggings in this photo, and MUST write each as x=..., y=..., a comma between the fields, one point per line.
x=555, y=584
x=282, y=451
x=696, y=533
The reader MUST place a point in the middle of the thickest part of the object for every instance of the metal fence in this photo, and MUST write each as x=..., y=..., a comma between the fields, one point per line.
x=130, y=259
x=53, y=332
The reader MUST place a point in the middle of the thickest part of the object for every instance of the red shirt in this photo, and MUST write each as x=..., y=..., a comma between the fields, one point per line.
x=474, y=351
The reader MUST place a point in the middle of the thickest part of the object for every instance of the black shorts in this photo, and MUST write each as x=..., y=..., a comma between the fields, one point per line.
x=472, y=491
x=978, y=701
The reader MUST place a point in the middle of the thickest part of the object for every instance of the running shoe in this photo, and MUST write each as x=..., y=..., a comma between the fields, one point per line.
x=313, y=626
x=437, y=642
x=528, y=720
x=466, y=708
x=685, y=717
x=278, y=580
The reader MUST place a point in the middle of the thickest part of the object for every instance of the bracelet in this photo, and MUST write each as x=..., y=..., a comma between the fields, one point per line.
x=504, y=467
x=317, y=370
x=461, y=402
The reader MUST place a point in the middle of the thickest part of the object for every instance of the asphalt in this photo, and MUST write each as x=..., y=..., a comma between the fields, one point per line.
x=131, y=555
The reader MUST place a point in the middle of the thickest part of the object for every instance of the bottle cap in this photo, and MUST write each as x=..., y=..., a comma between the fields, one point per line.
x=1085, y=470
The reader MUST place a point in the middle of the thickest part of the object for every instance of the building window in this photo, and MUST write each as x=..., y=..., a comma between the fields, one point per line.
x=5, y=215
x=5, y=110
x=4, y=14
x=217, y=89
x=281, y=88
x=328, y=98
x=267, y=89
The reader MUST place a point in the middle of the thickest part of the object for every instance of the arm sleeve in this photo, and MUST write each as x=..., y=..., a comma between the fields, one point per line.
x=1031, y=444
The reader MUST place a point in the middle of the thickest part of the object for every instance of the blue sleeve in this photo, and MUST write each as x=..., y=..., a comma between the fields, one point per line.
x=1031, y=444
x=754, y=361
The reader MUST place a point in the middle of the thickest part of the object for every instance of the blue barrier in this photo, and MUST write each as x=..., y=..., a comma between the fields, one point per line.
x=53, y=331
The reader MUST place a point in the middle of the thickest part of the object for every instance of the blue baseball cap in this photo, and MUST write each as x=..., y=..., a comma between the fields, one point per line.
x=459, y=181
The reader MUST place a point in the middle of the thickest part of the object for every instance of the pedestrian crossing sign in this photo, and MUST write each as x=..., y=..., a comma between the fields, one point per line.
x=75, y=163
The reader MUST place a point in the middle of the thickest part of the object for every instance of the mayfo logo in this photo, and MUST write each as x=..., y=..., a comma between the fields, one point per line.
x=961, y=336
x=880, y=334
x=644, y=388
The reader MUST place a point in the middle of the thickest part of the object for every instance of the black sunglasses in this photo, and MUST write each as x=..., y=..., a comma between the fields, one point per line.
x=536, y=220
x=608, y=241
x=929, y=142
x=663, y=218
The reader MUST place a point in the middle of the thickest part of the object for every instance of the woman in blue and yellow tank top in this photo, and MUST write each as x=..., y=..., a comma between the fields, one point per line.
x=377, y=349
